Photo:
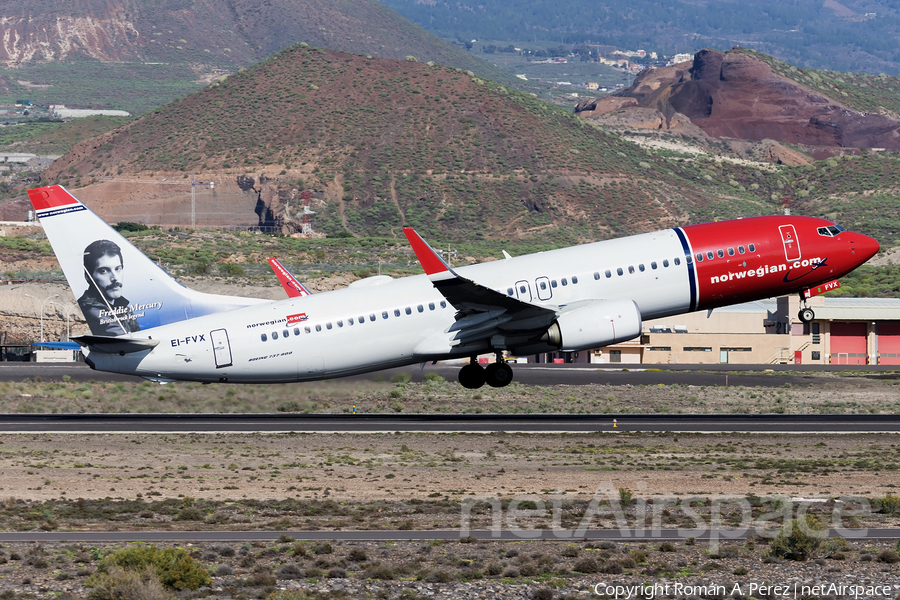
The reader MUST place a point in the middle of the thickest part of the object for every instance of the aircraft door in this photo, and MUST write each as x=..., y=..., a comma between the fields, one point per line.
x=523, y=290
x=542, y=286
x=221, y=348
x=790, y=241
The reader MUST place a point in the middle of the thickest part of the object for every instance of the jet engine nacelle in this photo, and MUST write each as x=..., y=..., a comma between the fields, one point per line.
x=594, y=323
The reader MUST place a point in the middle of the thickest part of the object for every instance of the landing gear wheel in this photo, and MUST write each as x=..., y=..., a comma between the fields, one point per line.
x=498, y=374
x=806, y=315
x=472, y=376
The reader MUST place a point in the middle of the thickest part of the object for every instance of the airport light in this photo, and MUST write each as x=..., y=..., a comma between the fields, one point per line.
x=42, y=310
x=68, y=308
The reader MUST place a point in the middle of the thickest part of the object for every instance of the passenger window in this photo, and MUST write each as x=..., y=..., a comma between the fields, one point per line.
x=752, y=248
x=619, y=271
x=328, y=325
x=420, y=308
x=653, y=265
x=443, y=304
x=340, y=323
x=731, y=252
x=431, y=304
x=350, y=321
x=521, y=289
x=574, y=280
x=608, y=274
x=384, y=314
x=285, y=333
x=543, y=285
x=720, y=254
x=553, y=283
x=396, y=312
x=362, y=319
x=641, y=267
x=372, y=317
x=596, y=275
x=318, y=328
x=630, y=269
x=263, y=337
x=296, y=331
x=274, y=335
x=307, y=329
x=699, y=257
x=709, y=255
x=564, y=282
x=408, y=310
x=509, y=292
x=666, y=262
x=678, y=260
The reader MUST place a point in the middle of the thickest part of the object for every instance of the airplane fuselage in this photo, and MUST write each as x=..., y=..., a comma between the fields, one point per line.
x=382, y=322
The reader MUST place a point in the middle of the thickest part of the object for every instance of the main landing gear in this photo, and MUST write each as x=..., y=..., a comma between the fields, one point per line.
x=473, y=376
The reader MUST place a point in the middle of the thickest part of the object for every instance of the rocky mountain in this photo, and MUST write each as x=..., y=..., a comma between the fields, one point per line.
x=737, y=94
x=223, y=33
x=376, y=143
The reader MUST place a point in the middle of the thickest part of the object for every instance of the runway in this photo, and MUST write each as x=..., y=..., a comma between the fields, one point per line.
x=381, y=423
x=565, y=535
x=768, y=376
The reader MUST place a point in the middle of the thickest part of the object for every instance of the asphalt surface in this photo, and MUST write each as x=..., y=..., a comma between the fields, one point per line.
x=417, y=535
x=365, y=423
x=538, y=374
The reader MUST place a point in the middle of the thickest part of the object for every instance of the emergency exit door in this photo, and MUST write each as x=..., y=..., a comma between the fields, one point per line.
x=221, y=348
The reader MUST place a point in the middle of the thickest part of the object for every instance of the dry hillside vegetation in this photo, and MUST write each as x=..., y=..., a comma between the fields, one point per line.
x=386, y=143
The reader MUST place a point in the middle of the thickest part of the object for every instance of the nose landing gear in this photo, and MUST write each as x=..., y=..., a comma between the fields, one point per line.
x=806, y=314
x=473, y=376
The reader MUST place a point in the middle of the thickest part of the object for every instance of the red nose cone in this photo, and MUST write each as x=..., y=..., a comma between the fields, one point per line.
x=866, y=247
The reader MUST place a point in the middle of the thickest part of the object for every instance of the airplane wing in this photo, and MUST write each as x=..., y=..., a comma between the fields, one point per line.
x=481, y=311
x=294, y=288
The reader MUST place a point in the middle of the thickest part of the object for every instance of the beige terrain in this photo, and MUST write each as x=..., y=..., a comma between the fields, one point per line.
x=390, y=466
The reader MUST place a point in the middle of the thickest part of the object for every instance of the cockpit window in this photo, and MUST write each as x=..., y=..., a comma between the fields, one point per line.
x=830, y=231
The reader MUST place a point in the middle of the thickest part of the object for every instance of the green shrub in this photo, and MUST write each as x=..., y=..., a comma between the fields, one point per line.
x=174, y=566
x=801, y=543
x=889, y=505
x=129, y=226
x=117, y=583
x=231, y=270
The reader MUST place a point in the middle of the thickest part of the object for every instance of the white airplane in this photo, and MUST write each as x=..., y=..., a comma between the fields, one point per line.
x=145, y=323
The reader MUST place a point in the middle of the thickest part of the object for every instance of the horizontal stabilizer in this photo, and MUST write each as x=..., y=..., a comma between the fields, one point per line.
x=115, y=345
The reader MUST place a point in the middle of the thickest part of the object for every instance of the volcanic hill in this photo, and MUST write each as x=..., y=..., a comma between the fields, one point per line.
x=381, y=143
x=746, y=95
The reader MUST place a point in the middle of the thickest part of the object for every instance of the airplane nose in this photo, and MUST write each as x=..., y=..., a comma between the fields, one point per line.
x=865, y=246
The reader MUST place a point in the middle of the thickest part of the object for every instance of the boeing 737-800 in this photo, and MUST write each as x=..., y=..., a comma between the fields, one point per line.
x=145, y=323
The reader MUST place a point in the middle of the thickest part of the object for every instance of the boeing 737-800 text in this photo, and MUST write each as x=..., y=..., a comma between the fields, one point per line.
x=145, y=323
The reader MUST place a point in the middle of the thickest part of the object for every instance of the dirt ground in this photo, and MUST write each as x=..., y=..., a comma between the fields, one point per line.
x=372, y=467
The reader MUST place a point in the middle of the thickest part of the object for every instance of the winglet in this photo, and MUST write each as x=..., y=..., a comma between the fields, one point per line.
x=433, y=264
x=292, y=287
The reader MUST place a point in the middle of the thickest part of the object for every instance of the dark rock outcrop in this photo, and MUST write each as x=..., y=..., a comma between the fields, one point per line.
x=734, y=95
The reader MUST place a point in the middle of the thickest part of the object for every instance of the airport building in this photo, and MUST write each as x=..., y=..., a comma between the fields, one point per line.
x=854, y=331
